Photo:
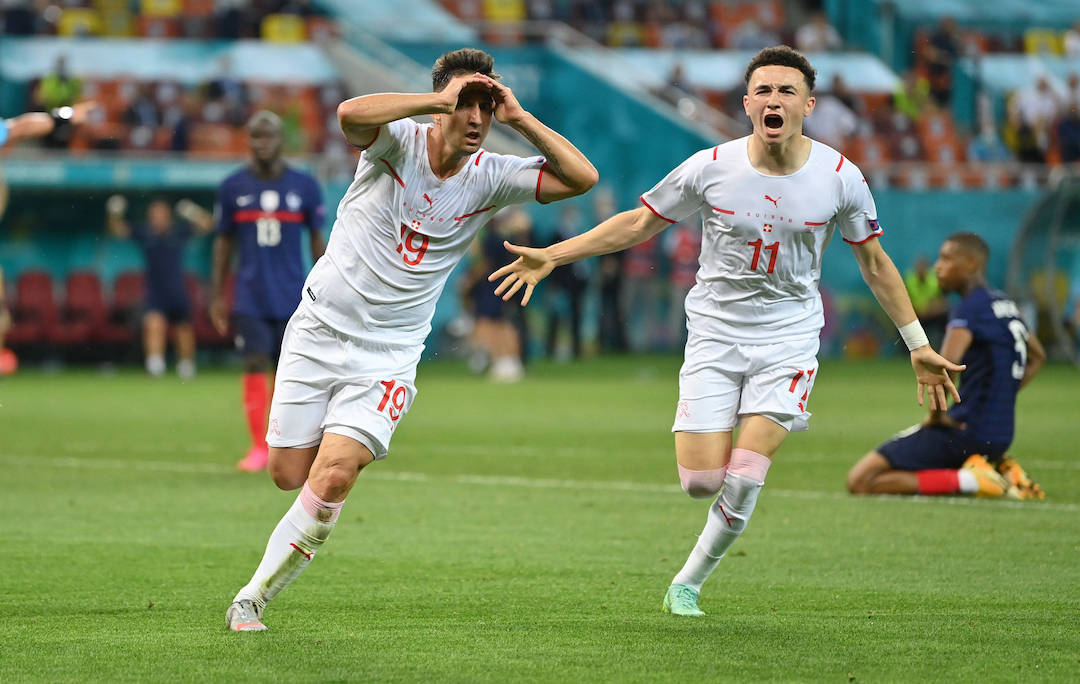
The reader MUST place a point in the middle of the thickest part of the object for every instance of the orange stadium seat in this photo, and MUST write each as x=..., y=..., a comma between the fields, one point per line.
x=82, y=314
x=33, y=311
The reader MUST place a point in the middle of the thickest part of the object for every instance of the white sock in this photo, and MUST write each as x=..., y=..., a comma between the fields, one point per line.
x=292, y=545
x=968, y=483
x=727, y=519
x=155, y=364
x=185, y=368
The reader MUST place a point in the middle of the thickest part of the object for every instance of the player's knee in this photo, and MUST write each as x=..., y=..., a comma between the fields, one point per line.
x=701, y=484
x=858, y=481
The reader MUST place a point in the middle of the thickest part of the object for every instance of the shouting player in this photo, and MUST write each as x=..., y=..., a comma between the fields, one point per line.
x=348, y=363
x=769, y=204
x=955, y=451
x=265, y=208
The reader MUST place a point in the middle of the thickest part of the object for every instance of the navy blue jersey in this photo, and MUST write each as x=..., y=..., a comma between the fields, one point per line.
x=164, y=254
x=995, y=362
x=267, y=219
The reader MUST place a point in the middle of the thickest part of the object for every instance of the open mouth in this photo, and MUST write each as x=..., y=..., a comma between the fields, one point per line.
x=473, y=136
x=774, y=122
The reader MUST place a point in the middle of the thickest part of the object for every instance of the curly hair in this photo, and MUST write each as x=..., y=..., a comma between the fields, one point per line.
x=782, y=55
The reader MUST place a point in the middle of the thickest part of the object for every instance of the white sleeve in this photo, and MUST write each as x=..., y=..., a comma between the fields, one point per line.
x=681, y=193
x=517, y=179
x=390, y=138
x=857, y=217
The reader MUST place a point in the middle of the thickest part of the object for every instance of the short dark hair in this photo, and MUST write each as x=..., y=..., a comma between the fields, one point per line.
x=782, y=55
x=972, y=244
x=463, y=61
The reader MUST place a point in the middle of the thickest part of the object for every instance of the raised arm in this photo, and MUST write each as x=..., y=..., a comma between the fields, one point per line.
x=115, y=223
x=200, y=218
x=931, y=369
x=571, y=172
x=361, y=116
x=534, y=264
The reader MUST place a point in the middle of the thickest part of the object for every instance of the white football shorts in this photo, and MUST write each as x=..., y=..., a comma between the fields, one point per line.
x=720, y=381
x=329, y=382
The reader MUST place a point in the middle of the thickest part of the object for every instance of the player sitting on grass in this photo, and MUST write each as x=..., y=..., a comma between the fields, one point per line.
x=956, y=451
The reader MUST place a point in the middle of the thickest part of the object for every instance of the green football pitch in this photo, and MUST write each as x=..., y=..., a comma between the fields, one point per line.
x=522, y=533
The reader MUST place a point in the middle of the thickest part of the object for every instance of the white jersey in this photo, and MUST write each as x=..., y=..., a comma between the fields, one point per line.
x=763, y=238
x=400, y=231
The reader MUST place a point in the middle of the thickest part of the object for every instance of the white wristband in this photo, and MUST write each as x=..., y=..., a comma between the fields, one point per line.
x=913, y=334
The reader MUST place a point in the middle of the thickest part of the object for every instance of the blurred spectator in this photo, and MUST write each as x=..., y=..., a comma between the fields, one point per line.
x=143, y=117
x=1037, y=108
x=912, y=95
x=610, y=272
x=677, y=86
x=751, y=35
x=59, y=88
x=624, y=29
x=227, y=96
x=640, y=296
x=942, y=50
x=566, y=287
x=986, y=146
x=1068, y=134
x=817, y=35
x=927, y=298
x=18, y=18
x=831, y=122
x=1072, y=40
x=1072, y=92
x=682, y=244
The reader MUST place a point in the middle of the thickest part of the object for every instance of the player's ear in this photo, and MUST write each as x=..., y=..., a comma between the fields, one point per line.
x=810, y=102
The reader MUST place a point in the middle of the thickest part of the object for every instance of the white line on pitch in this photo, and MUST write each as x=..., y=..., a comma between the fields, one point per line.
x=513, y=481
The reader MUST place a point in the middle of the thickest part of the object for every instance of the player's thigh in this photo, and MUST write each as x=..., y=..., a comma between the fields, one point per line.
x=702, y=450
x=312, y=363
x=779, y=384
x=710, y=387
x=289, y=467
x=926, y=448
x=760, y=434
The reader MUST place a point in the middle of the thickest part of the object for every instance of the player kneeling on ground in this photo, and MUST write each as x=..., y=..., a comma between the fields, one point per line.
x=962, y=450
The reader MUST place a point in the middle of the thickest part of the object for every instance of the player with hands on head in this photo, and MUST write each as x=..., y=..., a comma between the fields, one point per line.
x=962, y=450
x=348, y=362
x=769, y=204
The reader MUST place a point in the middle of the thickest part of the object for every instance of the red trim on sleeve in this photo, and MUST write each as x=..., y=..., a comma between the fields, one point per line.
x=378, y=130
x=538, y=179
x=477, y=162
x=474, y=213
x=866, y=239
x=815, y=223
x=840, y=164
x=725, y=211
x=714, y=152
x=396, y=177
x=642, y=198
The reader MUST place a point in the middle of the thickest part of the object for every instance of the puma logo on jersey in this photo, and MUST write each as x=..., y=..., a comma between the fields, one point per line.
x=774, y=201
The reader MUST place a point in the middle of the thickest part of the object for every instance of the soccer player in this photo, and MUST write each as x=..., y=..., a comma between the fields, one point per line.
x=163, y=240
x=348, y=363
x=265, y=209
x=769, y=204
x=951, y=452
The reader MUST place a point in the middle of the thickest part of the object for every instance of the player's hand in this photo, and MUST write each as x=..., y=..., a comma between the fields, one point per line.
x=531, y=266
x=219, y=314
x=452, y=91
x=932, y=374
x=507, y=107
x=82, y=111
x=116, y=205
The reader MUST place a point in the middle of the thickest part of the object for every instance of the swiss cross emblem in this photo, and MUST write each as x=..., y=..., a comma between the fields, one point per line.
x=274, y=429
x=683, y=410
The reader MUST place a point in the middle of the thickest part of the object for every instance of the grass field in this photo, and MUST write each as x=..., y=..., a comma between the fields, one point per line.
x=522, y=533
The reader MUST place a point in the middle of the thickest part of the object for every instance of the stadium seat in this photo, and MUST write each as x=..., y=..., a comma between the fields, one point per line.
x=82, y=314
x=125, y=305
x=33, y=311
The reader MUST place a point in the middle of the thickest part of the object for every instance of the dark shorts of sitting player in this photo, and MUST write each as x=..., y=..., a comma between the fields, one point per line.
x=259, y=336
x=174, y=306
x=932, y=447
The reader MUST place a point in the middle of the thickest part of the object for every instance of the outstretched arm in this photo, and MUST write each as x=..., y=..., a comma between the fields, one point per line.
x=115, y=223
x=200, y=218
x=38, y=124
x=571, y=172
x=361, y=116
x=931, y=369
x=533, y=264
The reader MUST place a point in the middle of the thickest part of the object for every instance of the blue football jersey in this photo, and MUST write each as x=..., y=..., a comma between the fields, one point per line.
x=267, y=219
x=996, y=361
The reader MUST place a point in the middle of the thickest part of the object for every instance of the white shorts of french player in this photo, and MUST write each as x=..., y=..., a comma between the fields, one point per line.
x=721, y=381
x=329, y=382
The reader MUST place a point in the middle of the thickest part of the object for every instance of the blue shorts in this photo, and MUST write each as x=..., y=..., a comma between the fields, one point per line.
x=927, y=448
x=259, y=336
x=173, y=305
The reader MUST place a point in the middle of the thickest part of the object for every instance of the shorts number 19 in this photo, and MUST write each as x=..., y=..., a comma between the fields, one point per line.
x=395, y=398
